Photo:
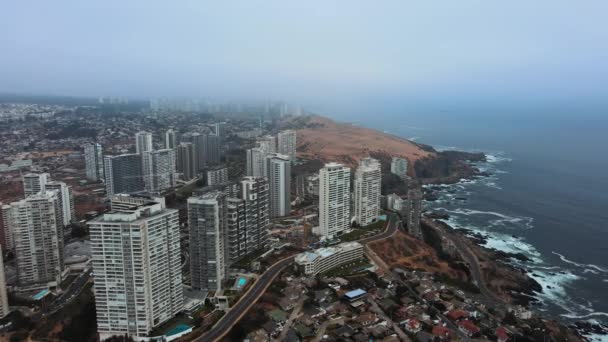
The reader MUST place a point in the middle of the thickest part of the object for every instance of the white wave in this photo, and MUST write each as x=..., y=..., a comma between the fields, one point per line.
x=554, y=287
x=596, y=338
x=497, y=158
x=502, y=218
x=592, y=314
x=413, y=138
x=588, y=266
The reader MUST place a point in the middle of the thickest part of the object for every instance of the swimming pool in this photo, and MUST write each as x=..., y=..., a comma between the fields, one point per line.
x=240, y=283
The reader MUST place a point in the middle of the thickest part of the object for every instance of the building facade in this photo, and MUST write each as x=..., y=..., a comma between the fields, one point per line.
x=278, y=172
x=4, y=307
x=268, y=144
x=257, y=212
x=413, y=210
x=123, y=174
x=37, y=230
x=368, y=181
x=159, y=171
x=287, y=144
x=137, y=266
x=256, y=159
x=217, y=175
x=66, y=200
x=34, y=183
x=143, y=142
x=93, y=159
x=170, y=139
x=186, y=161
x=324, y=259
x=207, y=224
x=334, y=200
x=399, y=167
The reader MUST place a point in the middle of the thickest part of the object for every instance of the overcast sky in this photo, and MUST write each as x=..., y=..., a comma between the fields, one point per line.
x=306, y=50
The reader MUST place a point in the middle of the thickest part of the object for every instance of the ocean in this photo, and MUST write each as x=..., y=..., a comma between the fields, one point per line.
x=547, y=196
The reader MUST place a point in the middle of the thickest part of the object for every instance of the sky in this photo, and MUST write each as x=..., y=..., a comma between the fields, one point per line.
x=316, y=52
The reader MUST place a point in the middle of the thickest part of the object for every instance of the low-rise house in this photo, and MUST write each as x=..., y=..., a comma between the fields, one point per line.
x=468, y=327
x=441, y=332
x=501, y=334
x=413, y=326
x=366, y=318
x=456, y=315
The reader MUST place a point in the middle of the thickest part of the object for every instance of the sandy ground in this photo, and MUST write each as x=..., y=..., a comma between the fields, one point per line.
x=404, y=251
x=346, y=143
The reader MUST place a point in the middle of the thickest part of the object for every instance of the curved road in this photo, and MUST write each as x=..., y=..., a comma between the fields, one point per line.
x=223, y=326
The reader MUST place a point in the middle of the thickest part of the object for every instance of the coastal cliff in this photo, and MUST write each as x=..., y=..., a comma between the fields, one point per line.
x=324, y=140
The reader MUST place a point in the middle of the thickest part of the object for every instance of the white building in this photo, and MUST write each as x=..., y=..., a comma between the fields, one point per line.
x=207, y=224
x=34, y=183
x=6, y=236
x=186, y=161
x=93, y=158
x=268, y=143
x=37, y=230
x=287, y=143
x=66, y=200
x=159, y=171
x=324, y=259
x=278, y=171
x=334, y=200
x=256, y=158
x=143, y=142
x=217, y=175
x=368, y=180
x=137, y=266
x=399, y=167
x=170, y=139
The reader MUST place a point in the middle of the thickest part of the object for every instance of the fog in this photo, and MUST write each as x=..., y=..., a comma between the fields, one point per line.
x=332, y=55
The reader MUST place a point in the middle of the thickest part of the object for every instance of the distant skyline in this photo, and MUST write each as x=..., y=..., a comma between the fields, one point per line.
x=317, y=53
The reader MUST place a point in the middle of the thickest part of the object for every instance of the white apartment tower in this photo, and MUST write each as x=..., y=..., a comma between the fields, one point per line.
x=136, y=265
x=34, y=183
x=217, y=175
x=268, y=143
x=334, y=200
x=93, y=158
x=368, y=180
x=159, y=171
x=170, y=139
x=278, y=172
x=207, y=224
x=256, y=159
x=399, y=167
x=186, y=161
x=35, y=224
x=66, y=200
x=287, y=143
x=143, y=142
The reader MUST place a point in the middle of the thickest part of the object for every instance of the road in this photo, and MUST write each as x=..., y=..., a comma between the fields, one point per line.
x=395, y=326
x=223, y=326
x=72, y=292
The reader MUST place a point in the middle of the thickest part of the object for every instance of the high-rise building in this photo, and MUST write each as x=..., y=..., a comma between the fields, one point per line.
x=220, y=130
x=399, y=167
x=136, y=259
x=257, y=211
x=237, y=229
x=413, y=210
x=34, y=183
x=38, y=238
x=6, y=236
x=123, y=174
x=213, y=149
x=268, y=143
x=143, y=142
x=159, y=170
x=207, y=223
x=256, y=159
x=217, y=175
x=66, y=200
x=4, y=308
x=287, y=143
x=334, y=200
x=186, y=161
x=93, y=158
x=278, y=172
x=368, y=180
x=170, y=139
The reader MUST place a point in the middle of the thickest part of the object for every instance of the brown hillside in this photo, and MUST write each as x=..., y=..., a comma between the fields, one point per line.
x=326, y=140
